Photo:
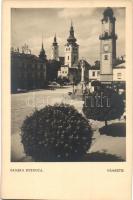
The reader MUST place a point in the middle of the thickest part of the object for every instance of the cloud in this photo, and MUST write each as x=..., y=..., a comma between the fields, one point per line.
x=29, y=24
x=75, y=12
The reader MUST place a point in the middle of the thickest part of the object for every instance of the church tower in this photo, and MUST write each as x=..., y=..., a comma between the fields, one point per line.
x=107, y=46
x=55, y=49
x=42, y=55
x=71, y=50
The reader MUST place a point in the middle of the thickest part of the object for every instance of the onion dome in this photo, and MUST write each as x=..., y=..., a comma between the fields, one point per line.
x=108, y=12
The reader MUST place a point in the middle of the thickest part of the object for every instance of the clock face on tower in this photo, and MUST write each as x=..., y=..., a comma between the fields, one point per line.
x=106, y=47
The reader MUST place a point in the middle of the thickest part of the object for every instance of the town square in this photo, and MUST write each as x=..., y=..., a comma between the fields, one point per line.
x=67, y=107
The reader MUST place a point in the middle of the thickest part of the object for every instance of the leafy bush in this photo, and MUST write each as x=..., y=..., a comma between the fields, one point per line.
x=114, y=130
x=56, y=133
x=103, y=105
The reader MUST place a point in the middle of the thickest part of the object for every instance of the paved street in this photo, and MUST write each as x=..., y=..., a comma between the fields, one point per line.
x=23, y=104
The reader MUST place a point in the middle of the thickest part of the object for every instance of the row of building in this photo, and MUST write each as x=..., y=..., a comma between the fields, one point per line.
x=110, y=68
x=31, y=72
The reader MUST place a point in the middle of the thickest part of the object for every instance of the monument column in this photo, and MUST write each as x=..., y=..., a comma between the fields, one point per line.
x=82, y=71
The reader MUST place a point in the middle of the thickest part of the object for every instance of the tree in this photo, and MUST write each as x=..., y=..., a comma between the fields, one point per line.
x=52, y=69
x=97, y=64
x=56, y=133
x=103, y=105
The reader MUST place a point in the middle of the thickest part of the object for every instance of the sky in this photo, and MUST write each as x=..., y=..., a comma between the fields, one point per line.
x=29, y=24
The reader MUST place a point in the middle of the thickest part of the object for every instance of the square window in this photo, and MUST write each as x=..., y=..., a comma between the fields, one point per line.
x=93, y=73
x=119, y=75
x=105, y=57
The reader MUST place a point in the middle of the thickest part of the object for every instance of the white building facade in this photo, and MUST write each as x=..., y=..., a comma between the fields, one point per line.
x=55, y=50
x=63, y=72
x=119, y=73
x=94, y=75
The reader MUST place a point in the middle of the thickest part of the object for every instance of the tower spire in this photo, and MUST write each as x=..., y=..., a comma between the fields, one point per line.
x=42, y=54
x=55, y=41
x=71, y=23
x=42, y=41
x=71, y=39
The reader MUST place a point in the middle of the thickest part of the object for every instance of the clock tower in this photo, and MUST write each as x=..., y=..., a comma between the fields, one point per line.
x=107, y=46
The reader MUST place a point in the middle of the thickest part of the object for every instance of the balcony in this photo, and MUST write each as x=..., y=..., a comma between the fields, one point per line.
x=107, y=36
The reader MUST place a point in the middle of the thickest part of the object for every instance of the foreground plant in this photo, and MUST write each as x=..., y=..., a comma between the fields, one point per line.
x=103, y=105
x=56, y=133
